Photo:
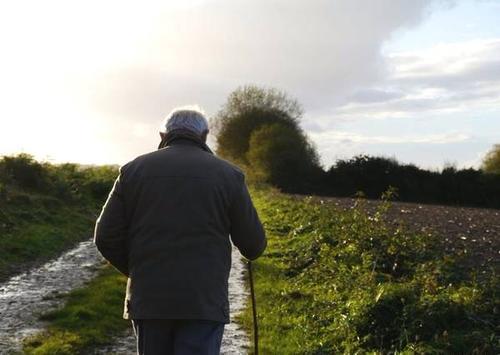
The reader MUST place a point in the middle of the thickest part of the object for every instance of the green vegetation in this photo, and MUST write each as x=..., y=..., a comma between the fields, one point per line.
x=247, y=108
x=92, y=316
x=331, y=281
x=279, y=155
x=343, y=281
x=45, y=209
x=258, y=128
x=491, y=162
x=374, y=175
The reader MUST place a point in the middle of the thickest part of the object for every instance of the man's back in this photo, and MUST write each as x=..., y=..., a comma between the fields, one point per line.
x=180, y=204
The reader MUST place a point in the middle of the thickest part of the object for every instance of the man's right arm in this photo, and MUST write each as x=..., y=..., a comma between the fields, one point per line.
x=247, y=232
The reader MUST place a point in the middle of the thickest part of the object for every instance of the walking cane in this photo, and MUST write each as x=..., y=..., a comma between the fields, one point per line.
x=254, y=311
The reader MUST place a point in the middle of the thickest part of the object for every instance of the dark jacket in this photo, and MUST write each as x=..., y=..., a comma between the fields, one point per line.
x=166, y=225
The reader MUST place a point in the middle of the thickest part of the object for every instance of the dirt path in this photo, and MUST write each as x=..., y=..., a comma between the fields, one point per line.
x=25, y=296
x=234, y=341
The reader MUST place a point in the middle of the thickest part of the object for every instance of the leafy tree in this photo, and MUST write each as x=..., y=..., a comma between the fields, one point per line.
x=246, y=109
x=491, y=162
x=258, y=128
x=281, y=155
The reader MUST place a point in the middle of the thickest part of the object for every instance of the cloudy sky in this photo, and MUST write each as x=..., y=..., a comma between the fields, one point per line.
x=90, y=81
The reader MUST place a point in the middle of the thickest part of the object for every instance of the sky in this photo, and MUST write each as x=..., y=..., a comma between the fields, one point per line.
x=90, y=82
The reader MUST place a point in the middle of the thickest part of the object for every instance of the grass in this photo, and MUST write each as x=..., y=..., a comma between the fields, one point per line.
x=92, y=316
x=334, y=281
x=38, y=227
x=45, y=209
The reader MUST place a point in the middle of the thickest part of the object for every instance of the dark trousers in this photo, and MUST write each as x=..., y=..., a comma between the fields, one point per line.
x=178, y=336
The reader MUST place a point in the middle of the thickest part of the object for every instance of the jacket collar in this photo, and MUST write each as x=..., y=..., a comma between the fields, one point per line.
x=183, y=137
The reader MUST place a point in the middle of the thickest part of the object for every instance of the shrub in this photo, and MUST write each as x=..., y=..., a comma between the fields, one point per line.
x=281, y=155
x=22, y=170
x=491, y=162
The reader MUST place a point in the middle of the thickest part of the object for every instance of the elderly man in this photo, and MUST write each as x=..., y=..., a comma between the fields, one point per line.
x=166, y=225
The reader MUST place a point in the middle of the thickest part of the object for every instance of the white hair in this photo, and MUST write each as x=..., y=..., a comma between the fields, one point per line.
x=189, y=118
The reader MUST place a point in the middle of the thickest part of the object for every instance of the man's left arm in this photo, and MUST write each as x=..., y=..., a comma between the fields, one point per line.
x=110, y=233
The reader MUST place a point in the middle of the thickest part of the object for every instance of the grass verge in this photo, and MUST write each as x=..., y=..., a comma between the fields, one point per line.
x=334, y=281
x=45, y=208
x=36, y=227
x=92, y=316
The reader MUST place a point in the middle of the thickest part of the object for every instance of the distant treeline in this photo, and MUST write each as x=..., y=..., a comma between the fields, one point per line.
x=371, y=176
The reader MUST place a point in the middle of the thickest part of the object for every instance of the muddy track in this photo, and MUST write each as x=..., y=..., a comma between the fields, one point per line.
x=235, y=340
x=25, y=296
x=39, y=261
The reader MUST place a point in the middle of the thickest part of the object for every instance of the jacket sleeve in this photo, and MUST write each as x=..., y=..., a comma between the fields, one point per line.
x=110, y=233
x=246, y=232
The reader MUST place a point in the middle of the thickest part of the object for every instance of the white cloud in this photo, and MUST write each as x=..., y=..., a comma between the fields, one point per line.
x=127, y=63
x=333, y=137
x=317, y=51
x=446, y=78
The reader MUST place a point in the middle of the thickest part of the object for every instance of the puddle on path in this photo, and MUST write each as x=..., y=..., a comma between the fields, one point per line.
x=23, y=297
x=234, y=341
